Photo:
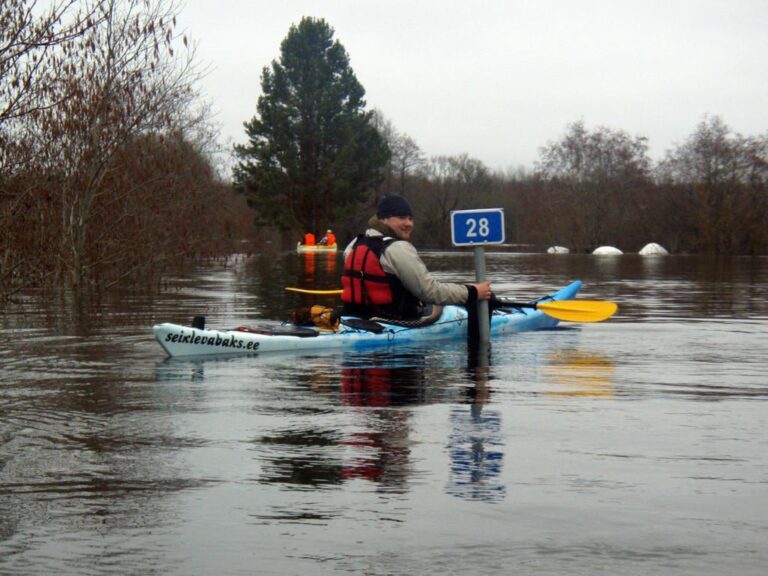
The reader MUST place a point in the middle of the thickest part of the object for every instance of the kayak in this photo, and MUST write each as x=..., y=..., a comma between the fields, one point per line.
x=304, y=249
x=351, y=333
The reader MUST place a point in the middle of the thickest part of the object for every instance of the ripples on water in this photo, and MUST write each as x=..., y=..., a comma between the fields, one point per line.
x=633, y=446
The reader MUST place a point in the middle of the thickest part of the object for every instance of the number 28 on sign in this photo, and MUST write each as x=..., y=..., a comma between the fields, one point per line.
x=473, y=227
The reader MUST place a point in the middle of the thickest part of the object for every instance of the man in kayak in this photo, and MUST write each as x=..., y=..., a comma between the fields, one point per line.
x=384, y=275
x=329, y=239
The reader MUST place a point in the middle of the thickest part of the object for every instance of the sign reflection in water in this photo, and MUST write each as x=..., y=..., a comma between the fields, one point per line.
x=476, y=441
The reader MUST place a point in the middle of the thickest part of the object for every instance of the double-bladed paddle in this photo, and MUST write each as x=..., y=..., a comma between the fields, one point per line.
x=567, y=310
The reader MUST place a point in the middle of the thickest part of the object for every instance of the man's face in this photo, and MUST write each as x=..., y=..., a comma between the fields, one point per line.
x=402, y=226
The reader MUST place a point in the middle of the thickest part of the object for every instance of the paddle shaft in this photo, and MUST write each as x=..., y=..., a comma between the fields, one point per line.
x=308, y=291
x=568, y=310
x=504, y=303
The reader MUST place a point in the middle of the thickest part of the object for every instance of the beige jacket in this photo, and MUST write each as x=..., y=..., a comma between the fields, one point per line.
x=401, y=259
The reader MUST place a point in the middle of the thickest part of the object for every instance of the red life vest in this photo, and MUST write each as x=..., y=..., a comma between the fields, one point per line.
x=367, y=289
x=364, y=281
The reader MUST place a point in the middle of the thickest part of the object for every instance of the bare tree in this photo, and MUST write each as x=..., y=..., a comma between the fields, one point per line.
x=407, y=157
x=599, y=171
x=120, y=80
x=725, y=177
x=34, y=41
x=110, y=160
x=29, y=37
x=451, y=183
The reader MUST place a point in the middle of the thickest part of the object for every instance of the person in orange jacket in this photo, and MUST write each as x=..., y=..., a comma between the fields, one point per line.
x=309, y=239
x=329, y=239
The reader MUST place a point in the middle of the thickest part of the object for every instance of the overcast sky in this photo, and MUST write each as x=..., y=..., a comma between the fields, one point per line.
x=498, y=79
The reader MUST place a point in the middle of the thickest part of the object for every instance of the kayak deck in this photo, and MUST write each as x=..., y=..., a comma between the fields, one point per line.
x=179, y=340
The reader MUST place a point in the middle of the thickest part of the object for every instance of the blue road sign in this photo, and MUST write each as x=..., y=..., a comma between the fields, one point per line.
x=477, y=227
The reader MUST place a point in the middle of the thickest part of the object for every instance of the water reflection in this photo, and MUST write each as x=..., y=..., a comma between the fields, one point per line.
x=654, y=265
x=381, y=449
x=296, y=458
x=362, y=430
x=579, y=373
x=310, y=277
x=113, y=460
x=380, y=386
x=475, y=442
x=374, y=446
x=475, y=446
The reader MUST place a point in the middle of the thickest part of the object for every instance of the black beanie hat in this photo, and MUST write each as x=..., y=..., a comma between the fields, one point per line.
x=393, y=205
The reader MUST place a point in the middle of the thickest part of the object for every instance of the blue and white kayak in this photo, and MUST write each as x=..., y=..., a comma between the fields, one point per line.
x=178, y=340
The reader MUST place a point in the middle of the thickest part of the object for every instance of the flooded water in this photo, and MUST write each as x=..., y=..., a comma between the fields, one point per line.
x=632, y=446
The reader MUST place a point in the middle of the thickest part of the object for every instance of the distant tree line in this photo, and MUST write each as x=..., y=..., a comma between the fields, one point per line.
x=592, y=188
x=106, y=174
x=599, y=187
x=315, y=157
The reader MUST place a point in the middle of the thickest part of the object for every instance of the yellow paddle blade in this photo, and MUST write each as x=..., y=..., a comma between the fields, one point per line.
x=579, y=310
x=307, y=291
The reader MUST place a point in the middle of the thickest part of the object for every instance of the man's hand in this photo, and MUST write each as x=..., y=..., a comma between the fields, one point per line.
x=483, y=290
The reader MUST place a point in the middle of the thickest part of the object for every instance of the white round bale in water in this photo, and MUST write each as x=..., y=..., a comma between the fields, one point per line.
x=652, y=248
x=558, y=250
x=607, y=251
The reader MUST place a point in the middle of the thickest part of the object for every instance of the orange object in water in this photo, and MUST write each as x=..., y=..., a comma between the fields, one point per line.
x=309, y=239
x=309, y=267
x=330, y=264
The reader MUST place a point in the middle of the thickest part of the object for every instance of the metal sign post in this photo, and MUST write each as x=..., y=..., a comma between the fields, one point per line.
x=482, y=305
x=477, y=228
